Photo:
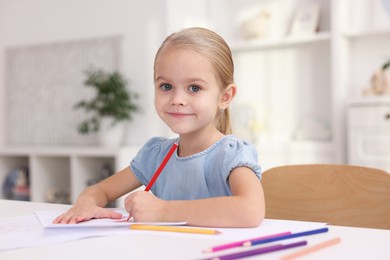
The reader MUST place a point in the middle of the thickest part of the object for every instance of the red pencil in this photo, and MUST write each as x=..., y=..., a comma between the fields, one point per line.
x=162, y=165
x=159, y=170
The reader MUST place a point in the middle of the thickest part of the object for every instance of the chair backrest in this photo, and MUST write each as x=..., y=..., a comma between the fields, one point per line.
x=343, y=195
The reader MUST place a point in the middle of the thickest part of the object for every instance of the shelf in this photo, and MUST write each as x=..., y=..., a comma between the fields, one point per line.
x=63, y=170
x=367, y=33
x=281, y=43
x=52, y=175
x=370, y=100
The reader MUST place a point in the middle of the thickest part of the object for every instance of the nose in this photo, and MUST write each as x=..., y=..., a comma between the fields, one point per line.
x=178, y=98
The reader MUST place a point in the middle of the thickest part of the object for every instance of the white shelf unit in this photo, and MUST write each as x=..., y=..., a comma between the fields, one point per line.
x=66, y=169
x=286, y=42
x=296, y=80
x=366, y=50
x=280, y=78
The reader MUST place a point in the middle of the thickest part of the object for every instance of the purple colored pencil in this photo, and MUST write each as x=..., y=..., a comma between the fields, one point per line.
x=241, y=243
x=260, y=251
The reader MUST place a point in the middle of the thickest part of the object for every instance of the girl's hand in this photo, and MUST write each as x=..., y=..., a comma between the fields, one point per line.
x=144, y=206
x=79, y=213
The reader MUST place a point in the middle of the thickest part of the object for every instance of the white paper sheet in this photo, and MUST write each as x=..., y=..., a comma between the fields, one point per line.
x=27, y=231
x=46, y=219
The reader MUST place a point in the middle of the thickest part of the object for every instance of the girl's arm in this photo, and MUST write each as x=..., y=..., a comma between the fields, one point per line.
x=91, y=201
x=245, y=208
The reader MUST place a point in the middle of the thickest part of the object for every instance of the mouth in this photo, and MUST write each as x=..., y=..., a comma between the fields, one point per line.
x=178, y=114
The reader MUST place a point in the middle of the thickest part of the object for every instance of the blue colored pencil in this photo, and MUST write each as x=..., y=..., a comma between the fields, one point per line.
x=299, y=234
x=259, y=251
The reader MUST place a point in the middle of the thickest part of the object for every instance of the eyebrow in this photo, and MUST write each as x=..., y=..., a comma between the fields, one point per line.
x=161, y=78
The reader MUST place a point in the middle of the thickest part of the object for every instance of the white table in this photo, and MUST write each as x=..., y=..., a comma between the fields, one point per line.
x=356, y=243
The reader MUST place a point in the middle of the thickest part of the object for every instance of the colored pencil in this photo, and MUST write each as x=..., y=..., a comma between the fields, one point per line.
x=240, y=243
x=159, y=170
x=162, y=165
x=311, y=249
x=175, y=229
x=299, y=234
x=259, y=251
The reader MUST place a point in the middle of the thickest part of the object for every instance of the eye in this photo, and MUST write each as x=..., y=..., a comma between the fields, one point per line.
x=194, y=88
x=166, y=86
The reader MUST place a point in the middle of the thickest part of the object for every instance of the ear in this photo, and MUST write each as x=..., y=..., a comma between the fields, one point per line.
x=227, y=96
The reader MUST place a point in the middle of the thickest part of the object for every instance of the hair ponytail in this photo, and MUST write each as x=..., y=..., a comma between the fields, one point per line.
x=223, y=123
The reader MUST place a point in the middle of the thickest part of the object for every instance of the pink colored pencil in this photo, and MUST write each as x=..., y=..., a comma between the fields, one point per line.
x=159, y=170
x=240, y=243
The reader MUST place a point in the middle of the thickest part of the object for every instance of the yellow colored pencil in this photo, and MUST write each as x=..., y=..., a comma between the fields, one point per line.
x=175, y=229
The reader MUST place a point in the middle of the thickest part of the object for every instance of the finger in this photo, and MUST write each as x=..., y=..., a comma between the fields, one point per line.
x=111, y=214
x=58, y=219
x=128, y=207
x=79, y=218
x=66, y=218
x=73, y=220
x=129, y=217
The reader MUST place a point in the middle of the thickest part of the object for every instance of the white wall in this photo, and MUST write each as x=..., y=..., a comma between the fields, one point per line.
x=142, y=24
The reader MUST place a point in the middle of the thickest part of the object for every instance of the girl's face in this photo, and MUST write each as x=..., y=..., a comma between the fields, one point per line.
x=187, y=94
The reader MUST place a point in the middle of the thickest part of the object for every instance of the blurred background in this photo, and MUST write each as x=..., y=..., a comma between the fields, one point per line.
x=313, y=85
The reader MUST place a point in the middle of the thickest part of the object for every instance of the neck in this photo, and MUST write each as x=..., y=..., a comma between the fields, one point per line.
x=196, y=143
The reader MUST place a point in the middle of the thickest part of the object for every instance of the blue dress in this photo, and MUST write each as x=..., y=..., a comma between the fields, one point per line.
x=202, y=175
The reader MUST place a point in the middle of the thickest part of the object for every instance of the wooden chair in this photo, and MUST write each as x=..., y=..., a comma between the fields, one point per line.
x=343, y=195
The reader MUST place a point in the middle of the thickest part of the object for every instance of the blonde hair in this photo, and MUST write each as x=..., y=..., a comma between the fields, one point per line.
x=212, y=46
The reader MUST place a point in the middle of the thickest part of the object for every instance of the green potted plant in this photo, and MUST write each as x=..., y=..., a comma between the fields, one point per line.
x=112, y=105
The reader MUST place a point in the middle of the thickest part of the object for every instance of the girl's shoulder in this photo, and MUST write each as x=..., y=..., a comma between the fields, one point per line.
x=233, y=152
x=231, y=143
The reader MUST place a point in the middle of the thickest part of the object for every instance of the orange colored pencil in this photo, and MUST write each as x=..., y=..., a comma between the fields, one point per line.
x=311, y=249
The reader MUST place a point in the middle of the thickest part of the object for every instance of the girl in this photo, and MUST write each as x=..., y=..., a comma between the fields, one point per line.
x=213, y=179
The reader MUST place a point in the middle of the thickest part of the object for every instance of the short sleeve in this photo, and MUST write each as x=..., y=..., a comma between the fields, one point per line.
x=231, y=154
x=144, y=163
x=240, y=153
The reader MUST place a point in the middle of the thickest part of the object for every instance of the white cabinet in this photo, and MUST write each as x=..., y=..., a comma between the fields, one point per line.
x=369, y=132
x=62, y=169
